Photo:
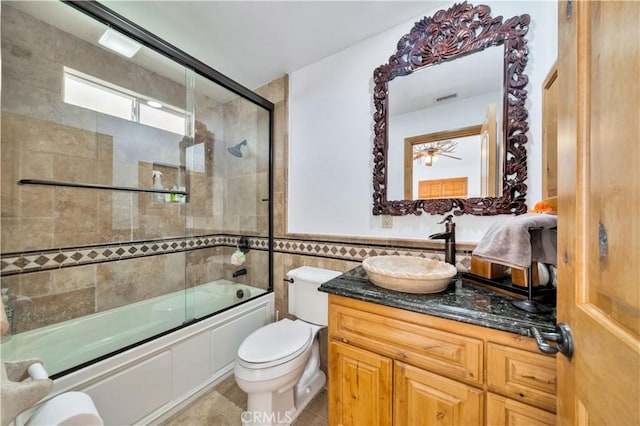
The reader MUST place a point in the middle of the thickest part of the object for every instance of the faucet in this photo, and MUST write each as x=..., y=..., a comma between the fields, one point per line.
x=449, y=237
x=239, y=272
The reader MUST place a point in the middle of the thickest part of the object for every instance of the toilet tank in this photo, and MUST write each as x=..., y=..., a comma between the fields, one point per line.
x=305, y=301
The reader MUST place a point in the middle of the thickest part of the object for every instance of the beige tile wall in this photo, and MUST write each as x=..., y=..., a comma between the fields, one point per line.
x=54, y=295
x=49, y=297
x=44, y=138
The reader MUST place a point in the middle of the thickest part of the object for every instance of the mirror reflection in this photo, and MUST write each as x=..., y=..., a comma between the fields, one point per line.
x=433, y=106
x=452, y=164
x=451, y=36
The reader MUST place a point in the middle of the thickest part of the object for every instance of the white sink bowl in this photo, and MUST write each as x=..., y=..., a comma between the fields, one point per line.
x=409, y=274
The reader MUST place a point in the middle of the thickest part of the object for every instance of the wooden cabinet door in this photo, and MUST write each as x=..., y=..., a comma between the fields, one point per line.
x=503, y=411
x=523, y=376
x=424, y=398
x=360, y=387
x=599, y=211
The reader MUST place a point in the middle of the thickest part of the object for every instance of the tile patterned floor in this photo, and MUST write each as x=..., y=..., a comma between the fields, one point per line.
x=224, y=404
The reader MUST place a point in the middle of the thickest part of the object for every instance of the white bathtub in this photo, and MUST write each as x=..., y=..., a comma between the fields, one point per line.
x=149, y=381
x=102, y=333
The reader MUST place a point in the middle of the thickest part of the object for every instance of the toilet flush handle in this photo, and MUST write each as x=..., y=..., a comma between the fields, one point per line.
x=289, y=280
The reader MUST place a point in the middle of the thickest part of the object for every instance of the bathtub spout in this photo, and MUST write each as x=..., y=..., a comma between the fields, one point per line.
x=239, y=272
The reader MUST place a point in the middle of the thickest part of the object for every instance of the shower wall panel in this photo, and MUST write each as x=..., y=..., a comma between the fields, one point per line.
x=247, y=179
x=46, y=138
x=69, y=252
x=52, y=296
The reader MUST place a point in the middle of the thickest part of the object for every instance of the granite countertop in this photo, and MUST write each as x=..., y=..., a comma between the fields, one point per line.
x=459, y=302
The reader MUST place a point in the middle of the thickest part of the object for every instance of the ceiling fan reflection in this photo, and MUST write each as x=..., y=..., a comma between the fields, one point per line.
x=428, y=153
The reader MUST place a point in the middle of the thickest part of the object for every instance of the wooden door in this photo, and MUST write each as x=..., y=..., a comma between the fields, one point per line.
x=360, y=386
x=599, y=211
x=443, y=188
x=424, y=398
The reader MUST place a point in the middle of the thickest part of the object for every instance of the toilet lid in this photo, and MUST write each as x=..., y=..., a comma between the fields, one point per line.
x=275, y=341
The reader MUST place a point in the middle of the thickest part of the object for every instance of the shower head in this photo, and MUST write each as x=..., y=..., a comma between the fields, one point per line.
x=235, y=150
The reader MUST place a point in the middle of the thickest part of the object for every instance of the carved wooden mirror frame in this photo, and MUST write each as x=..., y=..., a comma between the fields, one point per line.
x=461, y=30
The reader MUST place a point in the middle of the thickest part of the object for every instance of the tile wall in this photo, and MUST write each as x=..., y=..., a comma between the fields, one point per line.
x=68, y=252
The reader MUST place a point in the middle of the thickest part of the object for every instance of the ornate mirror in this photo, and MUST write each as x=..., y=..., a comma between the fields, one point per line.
x=457, y=36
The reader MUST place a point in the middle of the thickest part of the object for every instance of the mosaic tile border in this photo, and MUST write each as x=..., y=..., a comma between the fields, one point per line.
x=40, y=260
x=32, y=261
x=357, y=252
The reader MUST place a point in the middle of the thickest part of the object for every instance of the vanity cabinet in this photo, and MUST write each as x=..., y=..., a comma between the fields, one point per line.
x=392, y=366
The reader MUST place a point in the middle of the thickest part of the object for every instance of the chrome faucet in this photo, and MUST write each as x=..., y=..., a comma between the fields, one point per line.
x=449, y=237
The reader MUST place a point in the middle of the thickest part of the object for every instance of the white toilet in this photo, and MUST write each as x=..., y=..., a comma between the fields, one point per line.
x=278, y=365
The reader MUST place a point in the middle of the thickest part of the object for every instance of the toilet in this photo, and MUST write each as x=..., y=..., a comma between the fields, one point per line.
x=278, y=365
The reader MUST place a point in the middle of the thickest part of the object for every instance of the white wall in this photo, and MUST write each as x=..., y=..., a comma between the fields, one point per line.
x=331, y=137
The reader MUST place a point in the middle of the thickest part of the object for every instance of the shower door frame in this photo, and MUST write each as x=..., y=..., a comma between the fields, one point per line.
x=110, y=18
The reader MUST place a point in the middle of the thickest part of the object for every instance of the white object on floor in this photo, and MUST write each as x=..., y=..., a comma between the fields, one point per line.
x=69, y=409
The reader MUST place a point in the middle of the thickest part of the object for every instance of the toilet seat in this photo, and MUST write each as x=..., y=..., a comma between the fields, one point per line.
x=275, y=344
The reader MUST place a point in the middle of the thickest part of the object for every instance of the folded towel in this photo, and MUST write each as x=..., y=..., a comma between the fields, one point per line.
x=517, y=241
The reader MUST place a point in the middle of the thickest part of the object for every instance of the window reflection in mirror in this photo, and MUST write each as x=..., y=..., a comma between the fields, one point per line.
x=446, y=97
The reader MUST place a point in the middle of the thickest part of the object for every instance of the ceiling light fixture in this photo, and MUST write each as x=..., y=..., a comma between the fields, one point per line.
x=428, y=153
x=119, y=43
x=154, y=104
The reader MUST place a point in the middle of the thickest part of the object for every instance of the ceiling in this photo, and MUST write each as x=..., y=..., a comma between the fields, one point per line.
x=466, y=77
x=255, y=42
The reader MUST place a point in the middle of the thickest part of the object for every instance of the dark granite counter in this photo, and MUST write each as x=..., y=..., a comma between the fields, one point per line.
x=460, y=302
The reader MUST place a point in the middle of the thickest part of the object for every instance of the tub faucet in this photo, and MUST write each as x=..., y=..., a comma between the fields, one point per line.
x=449, y=237
x=239, y=272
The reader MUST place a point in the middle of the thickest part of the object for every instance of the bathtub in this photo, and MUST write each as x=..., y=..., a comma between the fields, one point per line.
x=152, y=380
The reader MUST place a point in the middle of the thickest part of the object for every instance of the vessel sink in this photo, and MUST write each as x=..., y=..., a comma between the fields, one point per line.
x=409, y=274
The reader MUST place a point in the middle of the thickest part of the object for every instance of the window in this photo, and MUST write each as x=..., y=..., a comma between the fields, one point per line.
x=91, y=93
x=161, y=118
x=98, y=98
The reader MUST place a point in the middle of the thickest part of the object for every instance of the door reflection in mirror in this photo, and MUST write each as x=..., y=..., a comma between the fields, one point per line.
x=451, y=95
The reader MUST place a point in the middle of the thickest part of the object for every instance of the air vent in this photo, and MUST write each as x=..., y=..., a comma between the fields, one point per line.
x=444, y=98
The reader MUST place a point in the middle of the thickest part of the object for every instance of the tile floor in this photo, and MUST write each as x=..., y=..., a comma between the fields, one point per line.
x=223, y=405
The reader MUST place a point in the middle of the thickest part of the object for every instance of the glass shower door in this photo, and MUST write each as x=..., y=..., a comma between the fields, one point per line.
x=94, y=189
x=227, y=168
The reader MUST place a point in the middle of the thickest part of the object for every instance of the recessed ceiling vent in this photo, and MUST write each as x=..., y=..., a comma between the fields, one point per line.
x=444, y=98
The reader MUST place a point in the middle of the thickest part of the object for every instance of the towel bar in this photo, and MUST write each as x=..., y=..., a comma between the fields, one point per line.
x=504, y=285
